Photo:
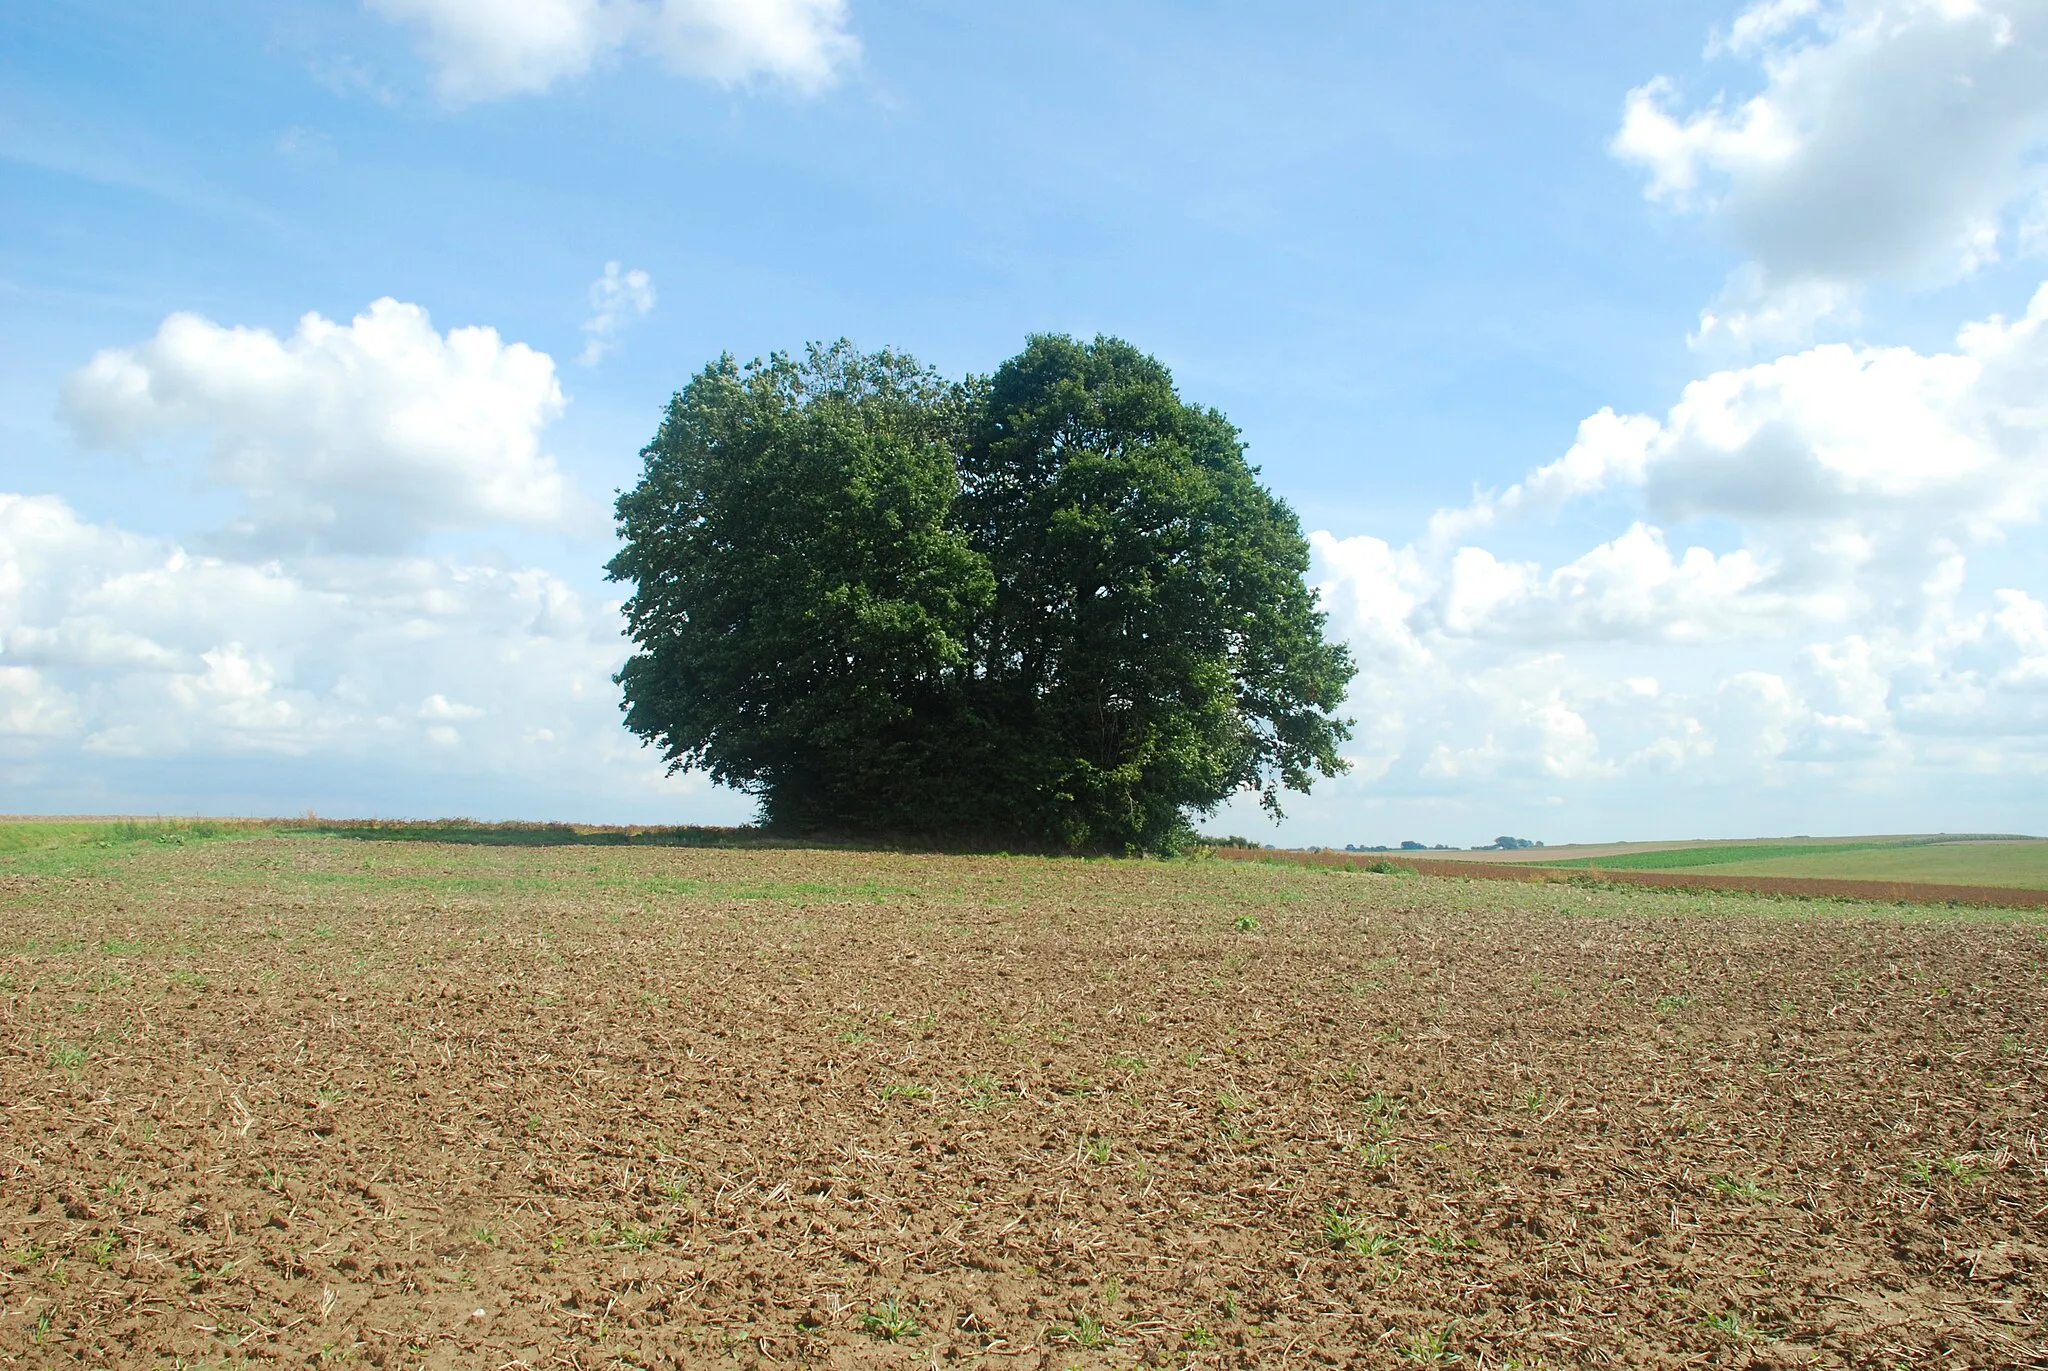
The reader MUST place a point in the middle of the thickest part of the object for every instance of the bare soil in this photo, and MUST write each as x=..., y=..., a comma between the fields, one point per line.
x=302, y=1101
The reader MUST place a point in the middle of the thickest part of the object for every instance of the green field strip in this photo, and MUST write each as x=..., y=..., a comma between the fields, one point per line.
x=2017, y=865
x=1686, y=858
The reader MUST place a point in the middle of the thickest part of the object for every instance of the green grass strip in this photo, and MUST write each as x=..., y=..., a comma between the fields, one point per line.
x=1682, y=858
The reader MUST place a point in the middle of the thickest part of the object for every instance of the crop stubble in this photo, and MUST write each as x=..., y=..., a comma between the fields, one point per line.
x=294, y=1099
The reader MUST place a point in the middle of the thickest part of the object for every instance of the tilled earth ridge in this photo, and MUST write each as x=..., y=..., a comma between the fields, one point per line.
x=308, y=1101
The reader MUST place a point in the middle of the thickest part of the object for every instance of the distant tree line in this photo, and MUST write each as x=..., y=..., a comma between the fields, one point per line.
x=1505, y=844
x=1050, y=606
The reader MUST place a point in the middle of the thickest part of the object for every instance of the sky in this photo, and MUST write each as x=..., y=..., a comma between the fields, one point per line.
x=1663, y=386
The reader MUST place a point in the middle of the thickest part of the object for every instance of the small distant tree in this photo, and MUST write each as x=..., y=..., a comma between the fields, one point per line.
x=1049, y=606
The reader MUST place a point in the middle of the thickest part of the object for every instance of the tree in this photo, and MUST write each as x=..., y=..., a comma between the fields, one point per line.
x=1152, y=649
x=801, y=603
x=1050, y=606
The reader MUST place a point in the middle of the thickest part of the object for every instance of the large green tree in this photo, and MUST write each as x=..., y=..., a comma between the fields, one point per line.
x=1152, y=648
x=1050, y=606
x=801, y=599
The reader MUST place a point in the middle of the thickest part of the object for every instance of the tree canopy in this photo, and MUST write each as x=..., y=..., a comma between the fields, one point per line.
x=1052, y=606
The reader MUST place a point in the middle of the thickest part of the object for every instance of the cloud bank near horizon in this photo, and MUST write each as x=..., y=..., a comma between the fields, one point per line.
x=1830, y=630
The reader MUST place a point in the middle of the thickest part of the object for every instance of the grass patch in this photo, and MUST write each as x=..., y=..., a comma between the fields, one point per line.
x=1686, y=858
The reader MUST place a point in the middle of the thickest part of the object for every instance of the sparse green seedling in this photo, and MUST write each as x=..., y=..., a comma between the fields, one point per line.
x=1375, y=1154
x=1742, y=1188
x=890, y=1322
x=1671, y=1004
x=1731, y=1324
x=1534, y=1099
x=1245, y=923
x=485, y=1235
x=1096, y=1149
x=1428, y=1347
x=1200, y=1338
x=1127, y=1061
x=983, y=1091
x=68, y=1057
x=1962, y=1168
x=1444, y=1242
x=639, y=1237
x=102, y=1249
x=905, y=1090
x=1346, y=1233
x=1085, y=1331
x=1227, y=1108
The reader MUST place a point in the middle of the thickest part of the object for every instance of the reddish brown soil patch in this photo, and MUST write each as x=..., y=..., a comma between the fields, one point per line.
x=1803, y=887
x=290, y=1099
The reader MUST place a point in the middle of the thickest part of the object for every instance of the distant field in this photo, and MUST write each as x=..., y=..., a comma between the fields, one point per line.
x=2006, y=862
x=281, y=1097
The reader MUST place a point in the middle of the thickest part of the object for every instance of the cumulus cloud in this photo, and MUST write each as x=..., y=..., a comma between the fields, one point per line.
x=1831, y=458
x=1891, y=140
x=1887, y=140
x=616, y=299
x=358, y=437
x=121, y=649
x=1821, y=624
x=485, y=49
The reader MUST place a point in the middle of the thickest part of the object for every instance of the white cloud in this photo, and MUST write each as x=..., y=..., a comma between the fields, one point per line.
x=1806, y=607
x=1752, y=316
x=1838, y=638
x=1611, y=449
x=123, y=650
x=616, y=299
x=363, y=437
x=30, y=706
x=485, y=49
x=1891, y=140
x=1830, y=459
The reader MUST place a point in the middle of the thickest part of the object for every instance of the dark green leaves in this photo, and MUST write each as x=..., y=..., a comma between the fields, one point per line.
x=1053, y=606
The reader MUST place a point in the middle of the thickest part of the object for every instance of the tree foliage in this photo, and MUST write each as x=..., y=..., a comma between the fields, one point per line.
x=1050, y=606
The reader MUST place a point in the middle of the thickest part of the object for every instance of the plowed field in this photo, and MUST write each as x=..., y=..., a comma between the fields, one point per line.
x=294, y=1100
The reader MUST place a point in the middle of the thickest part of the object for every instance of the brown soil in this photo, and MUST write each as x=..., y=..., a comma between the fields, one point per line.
x=1803, y=887
x=295, y=1100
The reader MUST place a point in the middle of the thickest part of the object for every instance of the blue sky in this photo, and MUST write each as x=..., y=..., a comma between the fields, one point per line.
x=1791, y=583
